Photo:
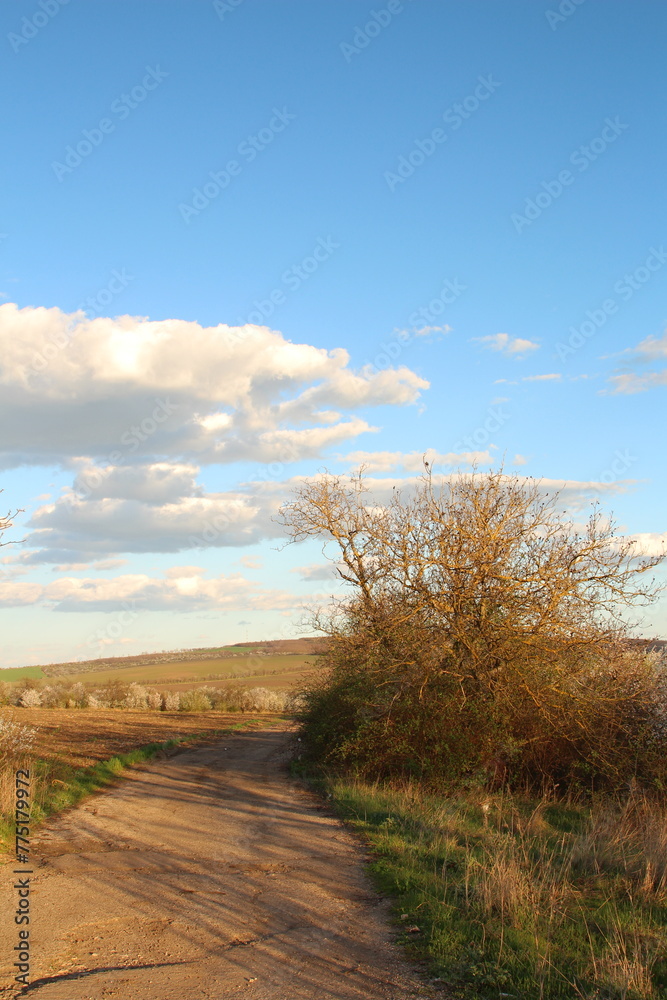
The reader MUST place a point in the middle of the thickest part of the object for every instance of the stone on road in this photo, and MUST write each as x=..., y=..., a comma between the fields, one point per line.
x=210, y=874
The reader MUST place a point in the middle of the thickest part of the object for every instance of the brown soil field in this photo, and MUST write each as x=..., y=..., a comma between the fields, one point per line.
x=82, y=737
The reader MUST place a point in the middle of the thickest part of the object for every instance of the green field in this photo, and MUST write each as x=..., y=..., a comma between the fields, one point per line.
x=19, y=673
x=277, y=671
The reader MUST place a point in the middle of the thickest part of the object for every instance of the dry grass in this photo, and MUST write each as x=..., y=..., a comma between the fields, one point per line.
x=523, y=898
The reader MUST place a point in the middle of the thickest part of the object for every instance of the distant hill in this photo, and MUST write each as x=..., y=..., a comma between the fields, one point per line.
x=650, y=645
x=307, y=647
x=311, y=646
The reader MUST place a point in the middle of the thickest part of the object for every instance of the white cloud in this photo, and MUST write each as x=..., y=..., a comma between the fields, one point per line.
x=648, y=350
x=510, y=346
x=424, y=331
x=157, y=483
x=174, y=390
x=629, y=383
x=519, y=460
x=183, y=588
x=251, y=562
x=75, y=530
x=552, y=377
x=14, y=594
x=651, y=348
x=317, y=571
x=649, y=543
x=78, y=530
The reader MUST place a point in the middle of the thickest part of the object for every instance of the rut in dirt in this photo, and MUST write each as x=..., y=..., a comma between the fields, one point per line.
x=210, y=874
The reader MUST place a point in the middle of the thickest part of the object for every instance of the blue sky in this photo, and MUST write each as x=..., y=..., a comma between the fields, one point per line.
x=439, y=226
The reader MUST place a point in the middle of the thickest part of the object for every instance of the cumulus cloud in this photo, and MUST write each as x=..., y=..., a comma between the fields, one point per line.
x=156, y=483
x=509, y=346
x=552, y=377
x=83, y=530
x=75, y=529
x=183, y=588
x=114, y=389
x=15, y=594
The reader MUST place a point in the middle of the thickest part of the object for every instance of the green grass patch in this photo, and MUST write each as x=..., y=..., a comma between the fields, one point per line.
x=213, y=670
x=521, y=898
x=20, y=673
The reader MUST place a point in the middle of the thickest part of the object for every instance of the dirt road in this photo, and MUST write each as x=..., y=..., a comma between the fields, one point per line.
x=210, y=874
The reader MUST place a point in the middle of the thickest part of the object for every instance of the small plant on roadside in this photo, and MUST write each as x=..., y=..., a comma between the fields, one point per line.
x=16, y=740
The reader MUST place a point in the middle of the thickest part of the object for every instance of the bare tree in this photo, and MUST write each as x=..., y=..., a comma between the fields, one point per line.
x=6, y=522
x=484, y=582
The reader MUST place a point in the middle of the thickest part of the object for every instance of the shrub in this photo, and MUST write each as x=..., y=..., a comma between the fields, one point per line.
x=30, y=698
x=113, y=694
x=79, y=695
x=136, y=697
x=16, y=740
x=154, y=699
x=483, y=641
x=172, y=701
x=195, y=701
x=261, y=699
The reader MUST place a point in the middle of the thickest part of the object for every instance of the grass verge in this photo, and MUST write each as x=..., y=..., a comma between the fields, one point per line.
x=509, y=897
